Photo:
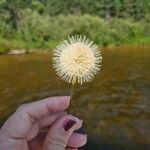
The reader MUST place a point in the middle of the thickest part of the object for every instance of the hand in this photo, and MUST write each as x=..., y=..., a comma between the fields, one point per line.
x=26, y=128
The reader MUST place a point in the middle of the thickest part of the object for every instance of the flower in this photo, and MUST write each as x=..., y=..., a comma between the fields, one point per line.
x=77, y=59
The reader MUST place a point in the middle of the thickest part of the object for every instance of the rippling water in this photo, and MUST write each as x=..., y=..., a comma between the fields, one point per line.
x=115, y=106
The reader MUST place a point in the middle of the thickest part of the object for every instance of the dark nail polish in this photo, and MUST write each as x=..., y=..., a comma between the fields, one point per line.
x=69, y=125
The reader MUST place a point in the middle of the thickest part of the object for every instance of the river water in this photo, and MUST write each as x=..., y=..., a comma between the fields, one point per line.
x=115, y=106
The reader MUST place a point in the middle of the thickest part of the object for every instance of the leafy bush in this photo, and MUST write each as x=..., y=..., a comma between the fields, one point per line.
x=43, y=31
x=124, y=30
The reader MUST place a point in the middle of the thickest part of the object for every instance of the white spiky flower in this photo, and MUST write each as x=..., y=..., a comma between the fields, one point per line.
x=77, y=59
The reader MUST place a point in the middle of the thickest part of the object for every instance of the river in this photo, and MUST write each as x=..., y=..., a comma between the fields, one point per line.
x=115, y=106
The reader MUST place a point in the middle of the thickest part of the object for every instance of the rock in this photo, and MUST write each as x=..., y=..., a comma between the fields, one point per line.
x=16, y=52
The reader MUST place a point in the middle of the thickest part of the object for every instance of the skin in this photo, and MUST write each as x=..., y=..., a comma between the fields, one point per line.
x=40, y=126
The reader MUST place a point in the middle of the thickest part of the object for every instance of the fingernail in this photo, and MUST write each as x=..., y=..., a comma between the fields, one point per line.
x=69, y=124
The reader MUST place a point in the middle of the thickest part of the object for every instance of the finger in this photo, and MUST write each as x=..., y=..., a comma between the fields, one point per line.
x=43, y=123
x=59, y=133
x=48, y=120
x=37, y=142
x=75, y=140
x=20, y=123
x=39, y=109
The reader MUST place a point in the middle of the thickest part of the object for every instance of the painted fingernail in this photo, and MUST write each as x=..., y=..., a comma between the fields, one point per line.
x=69, y=124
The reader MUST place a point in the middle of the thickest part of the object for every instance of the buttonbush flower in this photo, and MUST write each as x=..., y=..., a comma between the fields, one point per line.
x=77, y=59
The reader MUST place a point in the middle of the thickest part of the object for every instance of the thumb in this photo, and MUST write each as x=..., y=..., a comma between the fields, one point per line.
x=58, y=135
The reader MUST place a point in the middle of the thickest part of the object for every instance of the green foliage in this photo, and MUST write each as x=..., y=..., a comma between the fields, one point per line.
x=7, y=45
x=135, y=9
x=125, y=29
x=43, y=31
x=42, y=24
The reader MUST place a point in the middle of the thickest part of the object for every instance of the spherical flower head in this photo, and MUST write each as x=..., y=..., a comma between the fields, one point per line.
x=77, y=59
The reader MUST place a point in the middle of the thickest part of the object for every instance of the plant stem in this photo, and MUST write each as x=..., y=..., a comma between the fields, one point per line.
x=71, y=95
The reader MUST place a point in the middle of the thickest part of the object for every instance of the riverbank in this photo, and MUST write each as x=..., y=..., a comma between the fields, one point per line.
x=21, y=50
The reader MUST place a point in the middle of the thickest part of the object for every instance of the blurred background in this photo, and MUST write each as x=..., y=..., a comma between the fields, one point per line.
x=115, y=106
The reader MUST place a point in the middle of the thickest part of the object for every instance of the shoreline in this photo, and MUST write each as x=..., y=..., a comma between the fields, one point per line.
x=110, y=46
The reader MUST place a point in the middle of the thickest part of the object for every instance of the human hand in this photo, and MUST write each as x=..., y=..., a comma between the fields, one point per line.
x=22, y=131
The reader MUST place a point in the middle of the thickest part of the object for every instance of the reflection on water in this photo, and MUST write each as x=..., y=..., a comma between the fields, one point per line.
x=115, y=106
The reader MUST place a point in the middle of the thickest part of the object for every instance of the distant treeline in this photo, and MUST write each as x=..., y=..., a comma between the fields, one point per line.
x=135, y=9
x=43, y=23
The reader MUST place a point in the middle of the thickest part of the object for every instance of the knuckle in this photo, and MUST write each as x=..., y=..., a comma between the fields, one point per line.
x=57, y=141
x=22, y=107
